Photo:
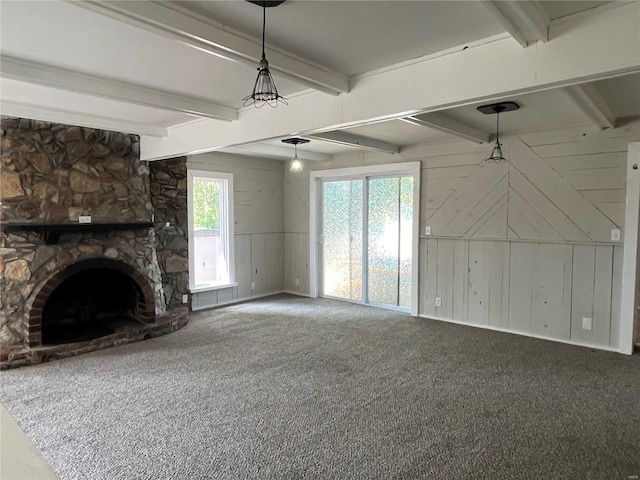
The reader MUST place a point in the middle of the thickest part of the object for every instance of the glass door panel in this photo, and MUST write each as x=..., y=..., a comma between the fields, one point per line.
x=389, y=252
x=383, y=240
x=341, y=229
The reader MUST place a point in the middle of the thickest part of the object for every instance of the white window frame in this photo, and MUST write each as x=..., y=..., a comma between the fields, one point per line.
x=226, y=228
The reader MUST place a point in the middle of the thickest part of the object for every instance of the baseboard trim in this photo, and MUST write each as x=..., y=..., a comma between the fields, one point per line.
x=297, y=293
x=524, y=334
x=237, y=300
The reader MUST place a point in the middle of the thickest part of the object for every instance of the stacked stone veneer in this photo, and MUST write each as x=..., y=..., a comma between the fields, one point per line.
x=52, y=173
x=169, y=198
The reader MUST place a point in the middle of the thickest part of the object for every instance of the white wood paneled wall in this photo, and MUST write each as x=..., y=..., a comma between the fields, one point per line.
x=259, y=223
x=524, y=246
x=542, y=289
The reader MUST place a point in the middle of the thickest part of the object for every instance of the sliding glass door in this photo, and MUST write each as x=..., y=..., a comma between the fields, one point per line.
x=366, y=238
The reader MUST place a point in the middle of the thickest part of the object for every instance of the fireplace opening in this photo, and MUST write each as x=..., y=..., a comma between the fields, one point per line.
x=90, y=304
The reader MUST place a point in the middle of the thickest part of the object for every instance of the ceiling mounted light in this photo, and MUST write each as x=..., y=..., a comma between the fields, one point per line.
x=495, y=108
x=264, y=90
x=296, y=165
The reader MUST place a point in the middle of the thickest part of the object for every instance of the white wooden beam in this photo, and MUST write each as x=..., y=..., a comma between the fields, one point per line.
x=587, y=98
x=69, y=80
x=12, y=109
x=439, y=122
x=173, y=21
x=588, y=49
x=526, y=21
x=352, y=140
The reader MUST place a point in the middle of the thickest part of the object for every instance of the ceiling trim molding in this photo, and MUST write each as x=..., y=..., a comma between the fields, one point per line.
x=13, y=109
x=173, y=21
x=526, y=22
x=352, y=140
x=441, y=123
x=69, y=80
x=587, y=98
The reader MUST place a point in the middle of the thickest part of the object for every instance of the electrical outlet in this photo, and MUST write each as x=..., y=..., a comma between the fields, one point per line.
x=297, y=281
x=84, y=219
x=427, y=230
x=185, y=298
x=586, y=323
x=615, y=234
x=438, y=302
x=253, y=285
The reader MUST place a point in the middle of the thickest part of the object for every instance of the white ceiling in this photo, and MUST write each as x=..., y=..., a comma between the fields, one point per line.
x=149, y=67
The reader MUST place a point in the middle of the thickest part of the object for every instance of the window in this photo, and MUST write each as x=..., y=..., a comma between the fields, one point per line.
x=210, y=206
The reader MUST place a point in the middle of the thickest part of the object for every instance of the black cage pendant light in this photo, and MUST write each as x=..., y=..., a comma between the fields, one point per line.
x=496, y=154
x=264, y=90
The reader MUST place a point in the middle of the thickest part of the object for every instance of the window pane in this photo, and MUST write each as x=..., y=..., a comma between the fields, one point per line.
x=342, y=243
x=210, y=240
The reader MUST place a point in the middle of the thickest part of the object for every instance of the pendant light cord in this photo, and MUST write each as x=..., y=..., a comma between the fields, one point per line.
x=264, y=24
x=498, y=126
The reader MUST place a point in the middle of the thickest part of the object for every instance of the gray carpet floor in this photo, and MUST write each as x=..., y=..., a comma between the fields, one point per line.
x=295, y=388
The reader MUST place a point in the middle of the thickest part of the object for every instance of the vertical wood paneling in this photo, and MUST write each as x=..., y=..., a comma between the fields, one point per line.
x=243, y=265
x=460, y=278
x=488, y=284
x=445, y=278
x=287, y=262
x=275, y=259
x=432, y=276
x=551, y=293
x=259, y=273
x=422, y=277
x=302, y=263
x=602, y=295
x=521, y=273
x=584, y=259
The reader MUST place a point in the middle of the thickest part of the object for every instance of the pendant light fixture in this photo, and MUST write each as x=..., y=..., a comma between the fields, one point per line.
x=264, y=89
x=296, y=165
x=496, y=154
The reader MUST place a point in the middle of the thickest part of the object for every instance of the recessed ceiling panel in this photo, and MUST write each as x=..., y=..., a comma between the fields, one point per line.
x=354, y=37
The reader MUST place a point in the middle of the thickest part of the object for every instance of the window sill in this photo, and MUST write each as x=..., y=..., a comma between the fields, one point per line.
x=208, y=288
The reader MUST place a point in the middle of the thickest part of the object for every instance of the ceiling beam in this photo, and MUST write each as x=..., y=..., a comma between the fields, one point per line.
x=526, y=21
x=277, y=152
x=173, y=21
x=13, y=109
x=604, y=47
x=439, y=122
x=587, y=98
x=69, y=80
x=352, y=140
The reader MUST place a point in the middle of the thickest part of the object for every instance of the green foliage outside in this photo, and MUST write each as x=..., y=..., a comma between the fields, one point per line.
x=206, y=204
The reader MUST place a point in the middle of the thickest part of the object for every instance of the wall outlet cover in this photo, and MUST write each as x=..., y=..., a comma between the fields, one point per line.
x=586, y=323
x=615, y=234
x=253, y=285
x=297, y=281
x=185, y=298
x=84, y=219
x=427, y=230
x=438, y=302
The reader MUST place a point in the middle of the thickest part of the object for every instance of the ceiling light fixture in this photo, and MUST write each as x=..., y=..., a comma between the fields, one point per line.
x=495, y=108
x=296, y=165
x=264, y=90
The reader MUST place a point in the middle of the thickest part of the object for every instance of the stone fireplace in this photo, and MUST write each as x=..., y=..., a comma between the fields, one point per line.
x=71, y=287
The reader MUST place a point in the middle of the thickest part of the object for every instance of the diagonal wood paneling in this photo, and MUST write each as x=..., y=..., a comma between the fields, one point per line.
x=475, y=195
x=592, y=222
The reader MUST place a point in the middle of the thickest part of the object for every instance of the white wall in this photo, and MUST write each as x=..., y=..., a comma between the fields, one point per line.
x=524, y=247
x=259, y=226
